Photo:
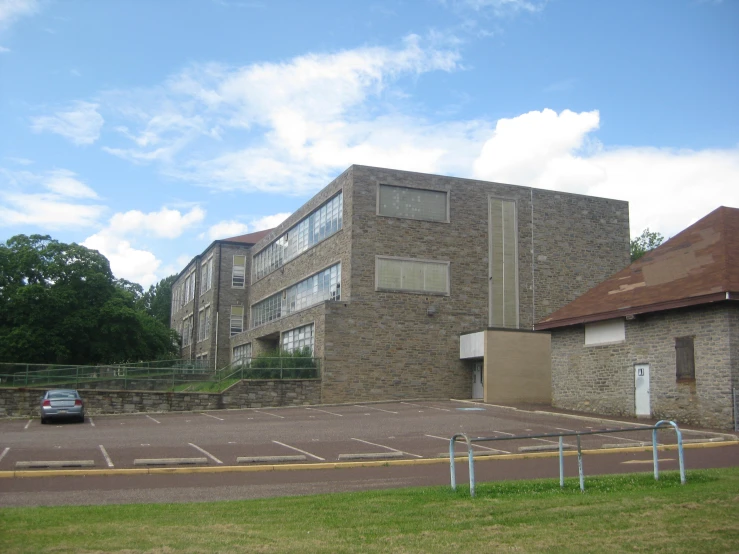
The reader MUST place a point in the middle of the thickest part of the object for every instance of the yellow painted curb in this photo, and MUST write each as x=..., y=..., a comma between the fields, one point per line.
x=338, y=465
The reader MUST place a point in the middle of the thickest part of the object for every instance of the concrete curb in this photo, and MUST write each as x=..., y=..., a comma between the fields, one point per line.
x=335, y=465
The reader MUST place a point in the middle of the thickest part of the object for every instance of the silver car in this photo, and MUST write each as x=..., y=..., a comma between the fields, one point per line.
x=62, y=403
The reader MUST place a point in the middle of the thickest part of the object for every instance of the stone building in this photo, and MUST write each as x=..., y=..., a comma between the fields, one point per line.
x=660, y=338
x=203, y=294
x=382, y=271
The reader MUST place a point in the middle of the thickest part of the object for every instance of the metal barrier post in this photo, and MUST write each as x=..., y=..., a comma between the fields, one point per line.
x=561, y=463
x=452, y=469
x=655, y=457
x=471, y=457
x=579, y=465
x=680, y=456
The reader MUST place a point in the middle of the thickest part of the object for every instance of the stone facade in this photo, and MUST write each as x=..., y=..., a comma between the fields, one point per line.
x=244, y=394
x=376, y=345
x=600, y=379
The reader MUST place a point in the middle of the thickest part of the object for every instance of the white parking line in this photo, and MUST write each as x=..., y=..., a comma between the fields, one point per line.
x=430, y=407
x=154, y=420
x=214, y=417
x=389, y=448
x=301, y=451
x=92, y=423
x=7, y=449
x=27, y=424
x=105, y=455
x=373, y=408
x=601, y=435
x=474, y=445
x=211, y=456
x=324, y=411
x=273, y=415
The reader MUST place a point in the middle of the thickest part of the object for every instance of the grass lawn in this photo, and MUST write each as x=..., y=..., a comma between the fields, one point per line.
x=630, y=513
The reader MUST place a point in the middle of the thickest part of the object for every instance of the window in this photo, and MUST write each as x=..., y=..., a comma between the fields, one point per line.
x=206, y=276
x=407, y=275
x=187, y=331
x=239, y=272
x=411, y=203
x=241, y=355
x=315, y=227
x=685, y=358
x=605, y=332
x=204, y=324
x=325, y=285
x=503, y=264
x=237, y=319
x=301, y=337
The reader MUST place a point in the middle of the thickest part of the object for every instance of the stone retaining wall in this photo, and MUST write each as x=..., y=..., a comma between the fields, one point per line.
x=244, y=394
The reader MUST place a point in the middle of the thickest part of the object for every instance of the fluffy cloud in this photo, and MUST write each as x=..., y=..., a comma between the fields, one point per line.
x=268, y=221
x=225, y=229
x=667, y=189
x=126, y=262
x=12, y=10
x=81, y=123
x=165, y=223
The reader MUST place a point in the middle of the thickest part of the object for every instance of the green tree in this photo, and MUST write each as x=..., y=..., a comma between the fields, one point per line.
x=60, y=303
x=645, y=242
x=157, y=301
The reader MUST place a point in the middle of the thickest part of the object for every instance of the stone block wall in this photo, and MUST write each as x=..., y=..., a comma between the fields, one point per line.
x=245, y=394
x=600, y=379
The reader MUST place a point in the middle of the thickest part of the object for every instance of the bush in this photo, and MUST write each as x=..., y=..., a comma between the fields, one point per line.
x=280, y=364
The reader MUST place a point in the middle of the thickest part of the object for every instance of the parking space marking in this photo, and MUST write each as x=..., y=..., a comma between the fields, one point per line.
x=154, y=420
x=473, y=445
x=388, y=447
x=273, y=415
x=324, y=411
x=601, y=435
x=430, y=407
x=211, y=456
x=214, y=417
x=92, y=423
x=105, y=455
x=301, y=451
x=7, y=449
x=27, y=424
x=373, y=408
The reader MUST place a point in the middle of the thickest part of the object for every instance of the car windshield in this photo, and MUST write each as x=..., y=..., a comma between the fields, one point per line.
x=57, y=395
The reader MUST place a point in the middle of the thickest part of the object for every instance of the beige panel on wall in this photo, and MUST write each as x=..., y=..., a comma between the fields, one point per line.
x=517, y=367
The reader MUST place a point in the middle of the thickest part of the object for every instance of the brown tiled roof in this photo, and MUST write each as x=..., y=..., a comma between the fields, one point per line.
x=697, y=266
x=251, y=238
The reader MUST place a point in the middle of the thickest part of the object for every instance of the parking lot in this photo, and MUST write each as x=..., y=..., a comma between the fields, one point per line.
x=386, y=431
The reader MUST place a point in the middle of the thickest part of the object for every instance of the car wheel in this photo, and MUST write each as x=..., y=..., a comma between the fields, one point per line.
x=43, y=420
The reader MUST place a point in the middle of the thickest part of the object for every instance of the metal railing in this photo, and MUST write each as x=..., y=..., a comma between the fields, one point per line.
x=469, y=441
x=736, y=410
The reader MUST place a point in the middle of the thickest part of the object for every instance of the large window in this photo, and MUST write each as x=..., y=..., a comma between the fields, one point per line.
x=241, y=355
x=325, y=285
x=411, y=203
x=318, y=225
x=503, y=264
x=204, y=324
x=238, y=277
x=296, y=339
x=408, y=275
x=187, y=331
x=685, y=358
x=206, y=276
x=237, y=319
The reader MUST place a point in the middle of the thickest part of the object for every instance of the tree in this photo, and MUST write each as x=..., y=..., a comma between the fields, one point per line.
x=60, y=303
x=157, y=301
x=645, y=242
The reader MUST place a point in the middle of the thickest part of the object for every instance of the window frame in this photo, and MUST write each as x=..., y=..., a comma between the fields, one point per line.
x=231, y=319
x=413, y=291
x=233, y=271
x=685, y=374
x=445, y=192
x=286, y=332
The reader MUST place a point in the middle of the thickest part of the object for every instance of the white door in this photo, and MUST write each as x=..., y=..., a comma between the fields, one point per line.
x=641, y=390
x=477, y=391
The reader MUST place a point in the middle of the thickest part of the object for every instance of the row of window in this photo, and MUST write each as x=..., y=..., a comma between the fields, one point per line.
x=315, y=227
x=292, y=340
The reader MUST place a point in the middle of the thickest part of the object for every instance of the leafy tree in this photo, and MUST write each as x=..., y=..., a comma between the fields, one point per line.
x=60, y=303
x=157, y=301
x=645, y=242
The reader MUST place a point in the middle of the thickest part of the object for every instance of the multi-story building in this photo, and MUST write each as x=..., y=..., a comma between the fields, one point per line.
x=205, y=294
x=382, y=271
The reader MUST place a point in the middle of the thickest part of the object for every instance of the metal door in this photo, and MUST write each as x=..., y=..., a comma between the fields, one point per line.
x=641, y=390
x=477, y=388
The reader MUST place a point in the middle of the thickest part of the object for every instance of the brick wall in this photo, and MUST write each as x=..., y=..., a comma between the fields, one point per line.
x=600, y=379
x=245, y=394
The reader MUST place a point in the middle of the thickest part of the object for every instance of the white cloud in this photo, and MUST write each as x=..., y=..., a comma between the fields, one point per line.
x=12, y=10
x=126, y=262
x=667, y=189
x=268, y=221
x=63, y=182
x=504, y=7
x=4, y=50
x=165, y=223
x=81, y=123
x=226, y=229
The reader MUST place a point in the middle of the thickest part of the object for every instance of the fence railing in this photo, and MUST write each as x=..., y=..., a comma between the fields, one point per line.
x=469, y=441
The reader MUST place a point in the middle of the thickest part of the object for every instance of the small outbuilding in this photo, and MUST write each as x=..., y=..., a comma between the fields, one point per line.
x=660, y=338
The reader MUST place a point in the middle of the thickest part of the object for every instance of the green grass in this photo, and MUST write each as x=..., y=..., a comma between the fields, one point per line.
x=631, y=513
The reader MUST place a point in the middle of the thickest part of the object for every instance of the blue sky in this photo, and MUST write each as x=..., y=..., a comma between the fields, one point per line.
x=146, y=129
